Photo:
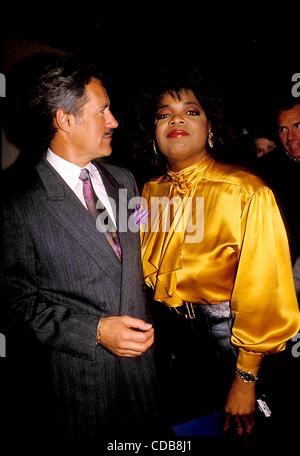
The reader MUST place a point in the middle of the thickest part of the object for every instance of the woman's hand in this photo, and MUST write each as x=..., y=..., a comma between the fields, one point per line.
x=240, y=407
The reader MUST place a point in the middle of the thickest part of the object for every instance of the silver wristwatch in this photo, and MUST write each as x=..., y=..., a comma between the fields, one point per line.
x=247, y=377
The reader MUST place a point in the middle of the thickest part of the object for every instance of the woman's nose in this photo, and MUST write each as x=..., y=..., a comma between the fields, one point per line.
x=177, y=119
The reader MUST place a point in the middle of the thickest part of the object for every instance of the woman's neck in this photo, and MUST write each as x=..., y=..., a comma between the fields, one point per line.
x=179, y=165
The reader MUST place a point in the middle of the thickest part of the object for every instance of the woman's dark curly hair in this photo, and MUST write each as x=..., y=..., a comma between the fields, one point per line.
x=174, y=81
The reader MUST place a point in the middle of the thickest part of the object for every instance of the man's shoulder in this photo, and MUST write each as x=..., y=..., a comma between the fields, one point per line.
x=116, y=170
x=120, y=174
x=17, y=186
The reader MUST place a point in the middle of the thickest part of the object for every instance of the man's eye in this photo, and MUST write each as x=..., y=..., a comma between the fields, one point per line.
x=297, y=125
x=281, y=130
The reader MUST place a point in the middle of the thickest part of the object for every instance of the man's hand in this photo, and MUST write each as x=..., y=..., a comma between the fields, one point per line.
x=240, y=407
x=126, y=336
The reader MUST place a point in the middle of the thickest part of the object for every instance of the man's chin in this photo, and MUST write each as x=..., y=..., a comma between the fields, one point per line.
x=295, y=154
x=104, y=152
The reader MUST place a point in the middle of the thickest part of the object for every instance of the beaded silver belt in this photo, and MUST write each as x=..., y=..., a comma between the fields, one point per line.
x=217, y=311
x=221, y=310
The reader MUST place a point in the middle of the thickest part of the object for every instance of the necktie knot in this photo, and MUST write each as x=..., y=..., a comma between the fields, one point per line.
x=84, y=175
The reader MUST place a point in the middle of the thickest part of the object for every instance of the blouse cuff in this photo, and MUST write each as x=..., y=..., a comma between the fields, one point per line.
x=249, y=361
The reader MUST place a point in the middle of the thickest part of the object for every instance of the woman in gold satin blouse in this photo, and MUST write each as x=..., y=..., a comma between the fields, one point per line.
x=215, y=254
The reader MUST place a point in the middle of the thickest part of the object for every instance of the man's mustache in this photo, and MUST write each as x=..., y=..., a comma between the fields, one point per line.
x=109, y=132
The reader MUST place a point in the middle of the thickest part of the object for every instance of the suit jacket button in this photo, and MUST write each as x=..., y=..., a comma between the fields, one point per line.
x=102, y=305
x=144, y=288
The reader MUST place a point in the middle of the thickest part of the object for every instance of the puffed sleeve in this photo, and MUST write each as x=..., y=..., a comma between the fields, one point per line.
x=264, y=304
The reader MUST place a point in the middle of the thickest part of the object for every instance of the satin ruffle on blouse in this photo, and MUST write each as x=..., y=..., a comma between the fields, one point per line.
x=215, y=234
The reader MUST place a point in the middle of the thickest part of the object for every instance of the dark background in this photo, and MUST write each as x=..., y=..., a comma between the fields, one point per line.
x=250, y=51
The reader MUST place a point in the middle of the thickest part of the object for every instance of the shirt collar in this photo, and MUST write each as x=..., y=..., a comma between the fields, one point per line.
x=93, y=171
x=67, y=170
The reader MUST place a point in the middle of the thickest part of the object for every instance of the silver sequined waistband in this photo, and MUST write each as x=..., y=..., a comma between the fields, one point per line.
x=216, y=311
x=221, y=310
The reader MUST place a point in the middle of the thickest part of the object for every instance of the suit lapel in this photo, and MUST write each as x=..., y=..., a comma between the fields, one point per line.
x=130, y=243
x=112, y=188
x=63, y=204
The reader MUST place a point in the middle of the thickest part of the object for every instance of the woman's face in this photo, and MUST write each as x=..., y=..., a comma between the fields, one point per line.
x=181, y=129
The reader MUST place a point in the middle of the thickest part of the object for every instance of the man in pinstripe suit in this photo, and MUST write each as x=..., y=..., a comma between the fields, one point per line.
x=64, y=288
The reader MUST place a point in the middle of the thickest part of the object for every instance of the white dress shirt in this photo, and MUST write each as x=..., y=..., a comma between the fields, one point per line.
x=70, y=174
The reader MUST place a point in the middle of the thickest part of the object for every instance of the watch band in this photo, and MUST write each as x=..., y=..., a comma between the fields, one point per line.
x=247, y=377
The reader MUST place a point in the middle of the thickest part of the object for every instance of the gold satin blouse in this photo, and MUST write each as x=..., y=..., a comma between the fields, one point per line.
x=238, y=252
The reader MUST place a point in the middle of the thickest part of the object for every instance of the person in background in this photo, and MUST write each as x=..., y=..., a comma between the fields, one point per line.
x=263, y=145
x=214, y=254
x=73, y=291
x=281, y=168
x=288, y=123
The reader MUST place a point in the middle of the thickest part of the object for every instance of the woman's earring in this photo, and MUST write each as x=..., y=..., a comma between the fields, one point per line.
x=210, y=139
x=154, y=147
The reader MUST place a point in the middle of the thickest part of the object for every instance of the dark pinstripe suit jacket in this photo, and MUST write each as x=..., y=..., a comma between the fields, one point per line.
x=59, y=277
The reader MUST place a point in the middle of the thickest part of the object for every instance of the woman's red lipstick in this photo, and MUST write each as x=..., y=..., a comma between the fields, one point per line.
x=177, y=133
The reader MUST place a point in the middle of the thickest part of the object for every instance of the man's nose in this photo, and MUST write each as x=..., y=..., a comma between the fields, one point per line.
x=111, y=121
x=290, y=134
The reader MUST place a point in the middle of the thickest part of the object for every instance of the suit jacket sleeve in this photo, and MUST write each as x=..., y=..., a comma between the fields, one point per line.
x=54, y=325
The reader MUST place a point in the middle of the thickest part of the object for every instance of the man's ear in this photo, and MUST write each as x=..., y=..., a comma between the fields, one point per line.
x=63, y=120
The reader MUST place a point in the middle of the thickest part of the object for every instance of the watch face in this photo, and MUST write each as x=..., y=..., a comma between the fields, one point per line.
x=248, y=377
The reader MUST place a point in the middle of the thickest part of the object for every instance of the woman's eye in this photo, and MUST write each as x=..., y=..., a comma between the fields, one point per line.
x=193, y=112
x=162, y=116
